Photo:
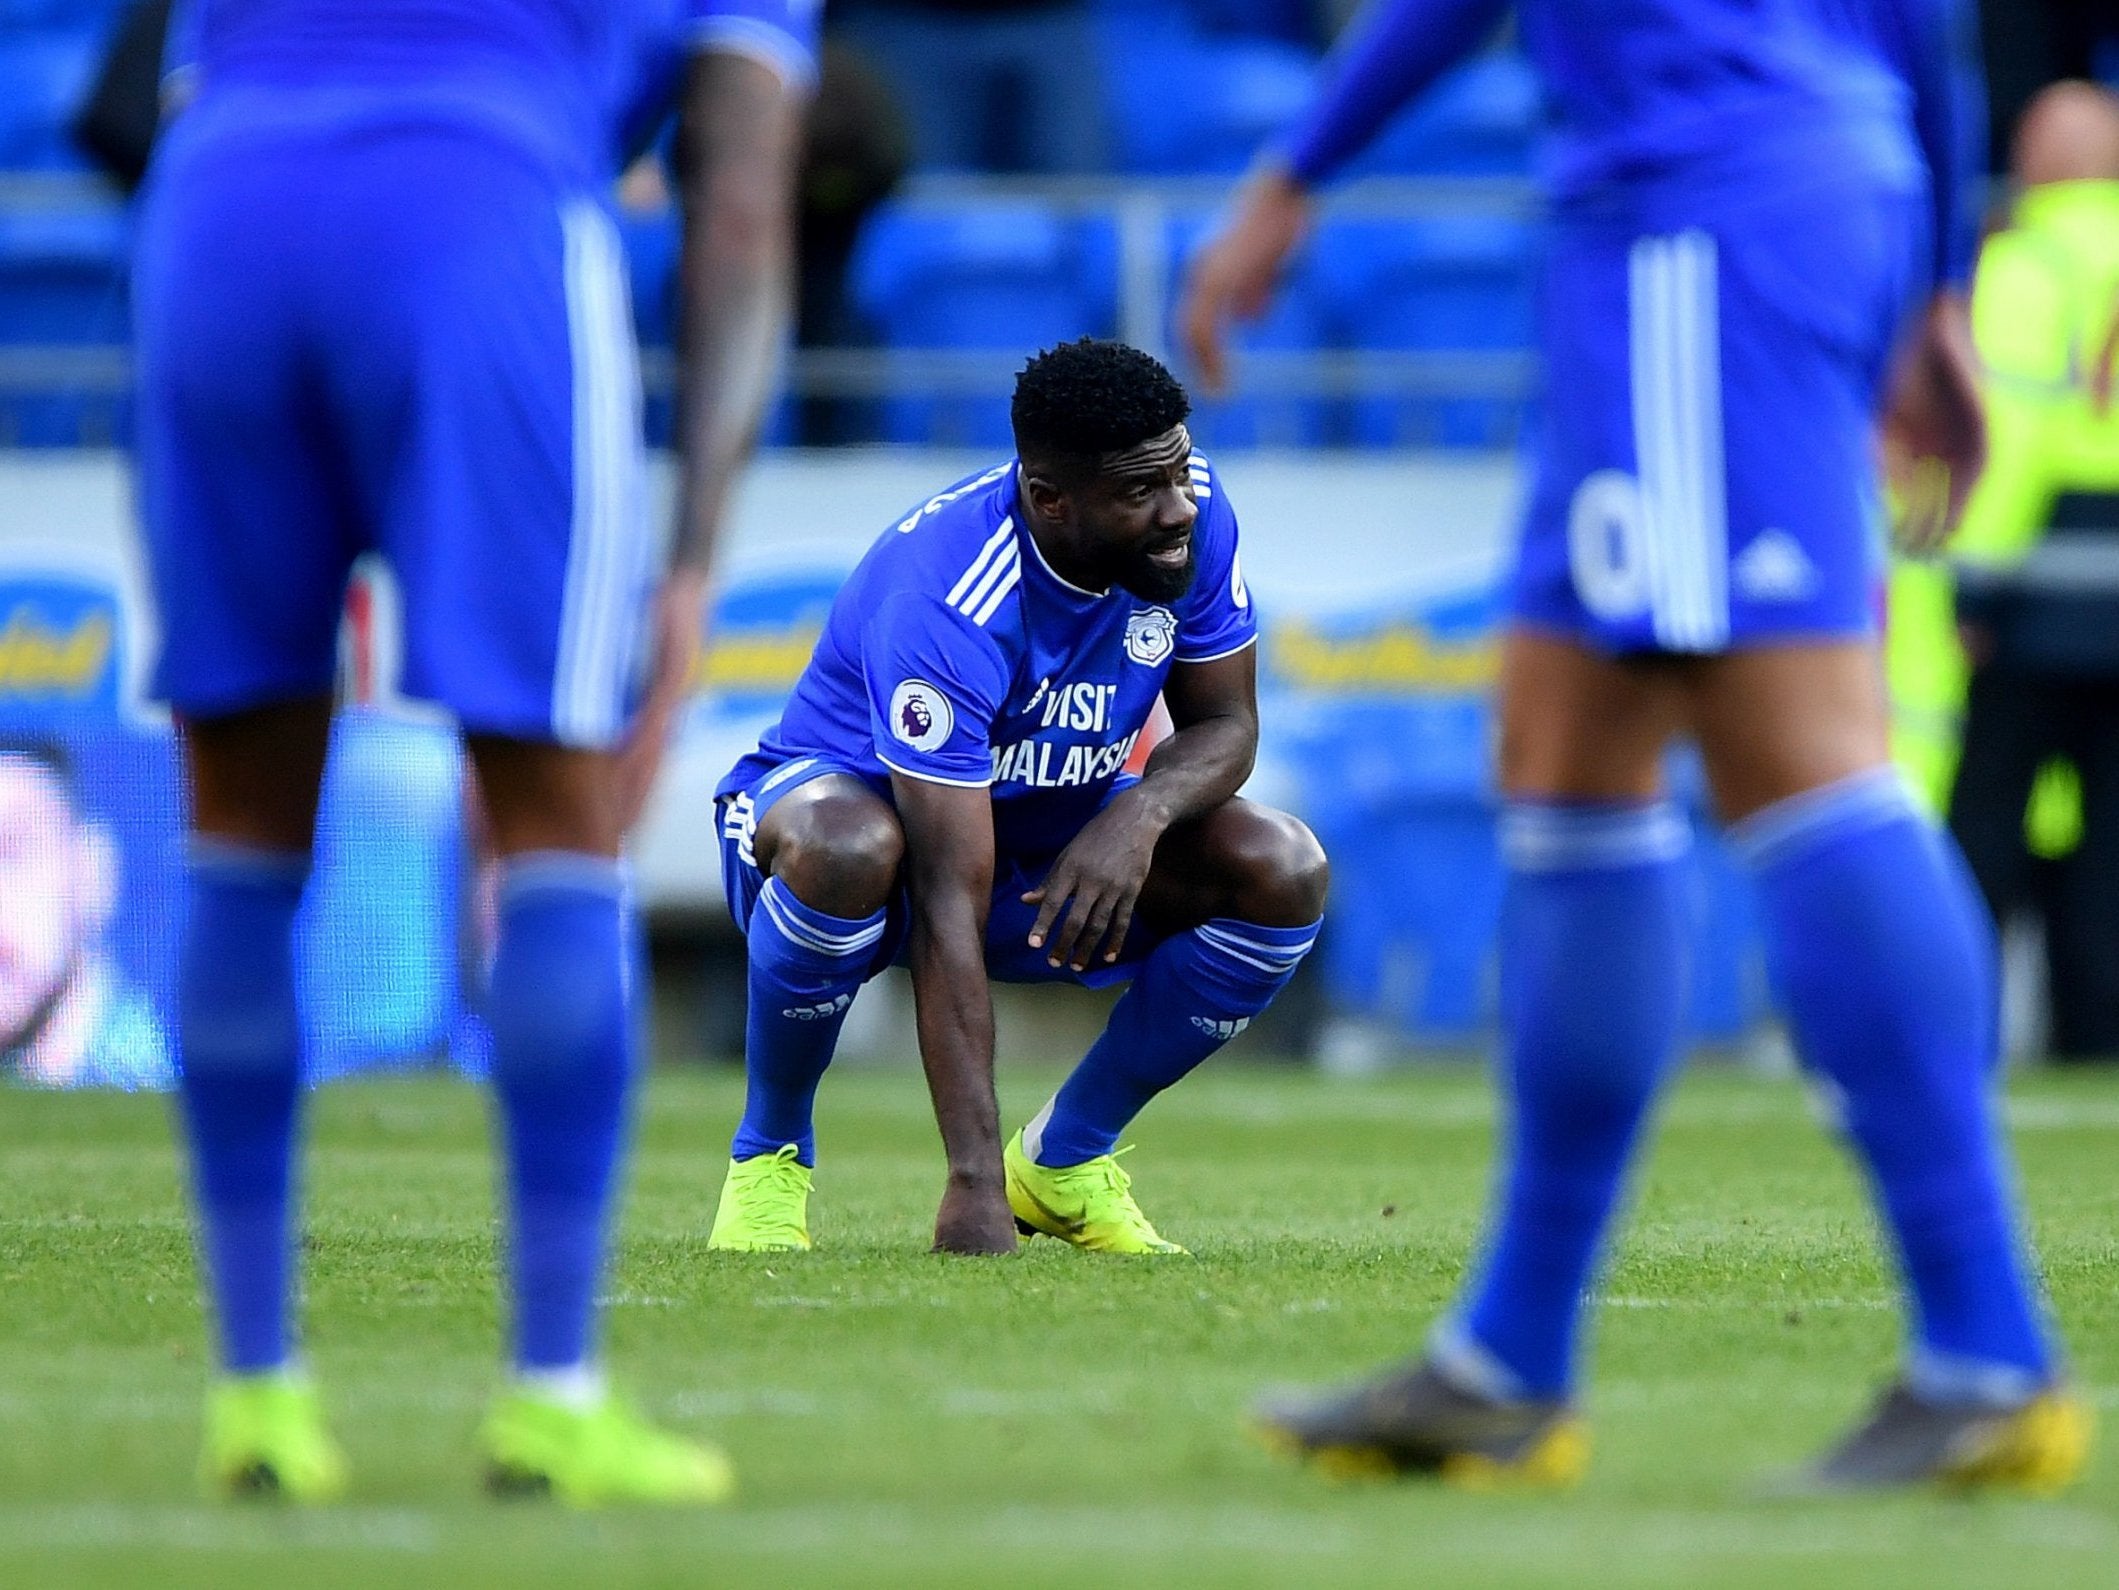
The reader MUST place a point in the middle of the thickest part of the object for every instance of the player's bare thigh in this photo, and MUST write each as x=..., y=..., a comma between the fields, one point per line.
x=541, y=796
x=835, y=843
x=256, y=775
x=1771, y=721
x=1241, y=861
x=1579, y=725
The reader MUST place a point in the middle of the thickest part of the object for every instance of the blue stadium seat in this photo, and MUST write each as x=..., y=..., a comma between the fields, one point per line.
x=1182, y=101
x=651, y=242
x=380, y=939
x=1257, y=416
x=43, y=76
x=1454, y=284
x=1005, y=278
x=1397, y=786
x=782, y=424
x=62, y=286
x=1479, y=121
x=1291, y=21
x=1398, y=790
x=1410, y=929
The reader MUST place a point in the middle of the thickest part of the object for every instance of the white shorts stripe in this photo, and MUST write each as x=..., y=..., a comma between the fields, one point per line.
x=1644, y=323
x=1677, y=422
x=785, y=771
x=1681, y=528
x=1707, y=417
x=1689, y=605
x=607, y=545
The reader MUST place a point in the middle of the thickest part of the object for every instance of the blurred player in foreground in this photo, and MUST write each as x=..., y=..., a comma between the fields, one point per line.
x=67, y=1015
x=382, y=305
x=946, y=787
x=1760, y=232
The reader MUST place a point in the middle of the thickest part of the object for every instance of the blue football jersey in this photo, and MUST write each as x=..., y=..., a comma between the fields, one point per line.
x=1666, y=111
x=567, y=79
x=955, y=654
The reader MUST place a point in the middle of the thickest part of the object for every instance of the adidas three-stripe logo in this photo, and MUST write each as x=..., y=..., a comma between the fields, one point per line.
x=979, y=592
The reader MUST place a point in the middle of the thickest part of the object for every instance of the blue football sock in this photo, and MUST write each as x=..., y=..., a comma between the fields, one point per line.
x=239, y=1037
x=1593, y=956
x=805, y=968
x=561, y=1007
x=1884, y=959
x=1195, y=992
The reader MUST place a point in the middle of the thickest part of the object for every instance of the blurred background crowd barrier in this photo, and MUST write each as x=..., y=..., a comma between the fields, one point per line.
x=984, y=177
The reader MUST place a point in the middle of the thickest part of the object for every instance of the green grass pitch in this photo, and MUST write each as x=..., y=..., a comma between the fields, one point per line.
x=906, y=1420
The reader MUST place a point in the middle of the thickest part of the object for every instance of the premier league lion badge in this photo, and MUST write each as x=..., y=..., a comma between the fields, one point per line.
x=920, y=715
x=1150, y=635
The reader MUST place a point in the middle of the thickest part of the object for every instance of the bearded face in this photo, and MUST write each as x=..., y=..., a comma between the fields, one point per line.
x=1162, y=570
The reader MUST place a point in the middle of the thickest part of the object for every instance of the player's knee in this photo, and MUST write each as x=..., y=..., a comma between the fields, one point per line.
x=845, y=863
x=1283, y=869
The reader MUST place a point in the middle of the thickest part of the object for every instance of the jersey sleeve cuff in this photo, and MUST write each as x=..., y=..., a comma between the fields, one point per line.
x=1215, y=656
x=795, y=65
x=936, y=778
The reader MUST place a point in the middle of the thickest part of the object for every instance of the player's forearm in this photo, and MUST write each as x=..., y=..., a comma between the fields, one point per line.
x=1198, y=768
x=1939, y=54
x=1394, y=50
x=741, y=141
x=953, y=1006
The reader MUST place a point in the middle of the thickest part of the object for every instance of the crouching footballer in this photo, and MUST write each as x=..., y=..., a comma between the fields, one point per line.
x=946, y=790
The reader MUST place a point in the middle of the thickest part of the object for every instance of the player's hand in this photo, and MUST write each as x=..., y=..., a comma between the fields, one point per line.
x=1096, y=881
x=680, y=608
x=1232, y=278
x=1935, y=431
x=974, y=1219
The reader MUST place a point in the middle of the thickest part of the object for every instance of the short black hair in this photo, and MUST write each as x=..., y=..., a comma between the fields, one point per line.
x=1086, y=399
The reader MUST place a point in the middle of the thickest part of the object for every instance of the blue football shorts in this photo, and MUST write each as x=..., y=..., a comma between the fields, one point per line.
x=1705, y=476
x=408, y=339
x=1009, y=957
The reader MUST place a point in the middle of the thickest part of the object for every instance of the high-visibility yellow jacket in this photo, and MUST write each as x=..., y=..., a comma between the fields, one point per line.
x=2041, y=299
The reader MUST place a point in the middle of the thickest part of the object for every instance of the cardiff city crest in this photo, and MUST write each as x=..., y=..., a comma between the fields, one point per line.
x=1151, y=633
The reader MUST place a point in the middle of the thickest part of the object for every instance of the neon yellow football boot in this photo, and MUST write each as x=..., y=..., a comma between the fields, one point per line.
x=265, y=1437
x=2037, y=1447
x=1411, y=1421
x=1090, y=1205
x=597, y=1456
x=764, y=1205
